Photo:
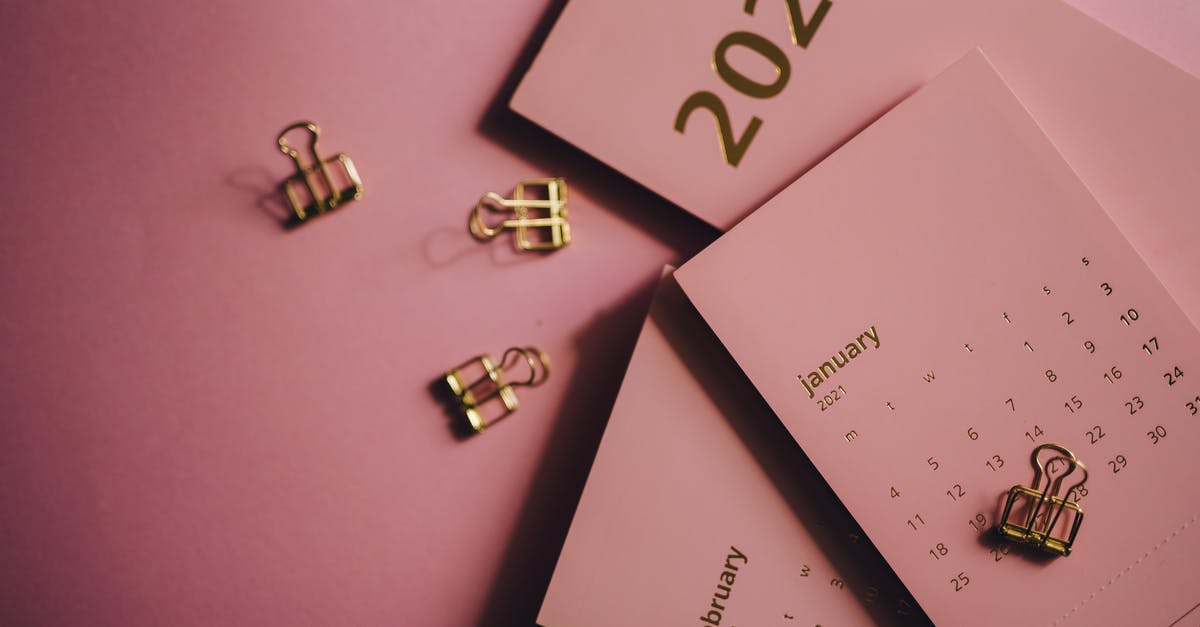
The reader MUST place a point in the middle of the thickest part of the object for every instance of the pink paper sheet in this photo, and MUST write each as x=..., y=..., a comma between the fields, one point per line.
x=614, y=75
x=696, y=493
x=973, y=301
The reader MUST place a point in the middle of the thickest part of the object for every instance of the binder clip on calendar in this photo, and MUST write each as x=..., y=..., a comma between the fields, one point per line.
x=485, y=390
x=1043, y=515
x=537, y=212
x=319, y=185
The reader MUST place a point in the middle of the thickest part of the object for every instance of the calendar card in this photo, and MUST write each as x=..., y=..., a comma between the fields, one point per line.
x=699, y=509
x=717, y=106
x=931, y=304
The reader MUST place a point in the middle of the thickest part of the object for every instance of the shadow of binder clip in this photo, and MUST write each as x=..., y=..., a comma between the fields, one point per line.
x=1038, y=515
x=321, y=186
x=485, y=390
x=544, y=214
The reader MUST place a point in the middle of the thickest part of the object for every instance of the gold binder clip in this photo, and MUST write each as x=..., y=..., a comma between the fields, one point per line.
x=490, y=396
x=313, y=190
x=1043, y=523
x=547, y=215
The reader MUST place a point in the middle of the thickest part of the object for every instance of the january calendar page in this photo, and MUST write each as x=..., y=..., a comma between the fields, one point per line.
x=955, y=331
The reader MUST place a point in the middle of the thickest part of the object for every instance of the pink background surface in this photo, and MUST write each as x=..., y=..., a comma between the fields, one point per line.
x=209, y=420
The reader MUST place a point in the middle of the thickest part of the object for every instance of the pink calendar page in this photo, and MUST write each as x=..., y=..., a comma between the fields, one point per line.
x=699, y=511
x=719, y=105
x=935, y=300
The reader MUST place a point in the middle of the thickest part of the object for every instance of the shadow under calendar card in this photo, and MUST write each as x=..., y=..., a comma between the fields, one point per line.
x=934, y=301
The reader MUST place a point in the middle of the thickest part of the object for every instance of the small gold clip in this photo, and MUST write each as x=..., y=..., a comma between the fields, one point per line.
x=553, y=224
x=493, y=387
x=321, y=193
x=1042, y=524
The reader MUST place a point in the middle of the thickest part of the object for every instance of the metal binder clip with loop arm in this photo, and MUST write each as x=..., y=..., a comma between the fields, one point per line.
x=1042, y=515
x=547, y=216
x=316, y=180
x=488, y=396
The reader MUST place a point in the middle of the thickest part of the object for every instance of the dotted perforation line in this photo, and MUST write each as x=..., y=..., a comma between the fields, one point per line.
x=1139, y=560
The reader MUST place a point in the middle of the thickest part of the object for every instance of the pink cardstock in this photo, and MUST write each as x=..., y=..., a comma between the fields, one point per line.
x=698, y=511
x=775, y=91
x=929, y=304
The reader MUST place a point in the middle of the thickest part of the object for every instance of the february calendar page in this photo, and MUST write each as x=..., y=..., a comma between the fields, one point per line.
x=931, y=305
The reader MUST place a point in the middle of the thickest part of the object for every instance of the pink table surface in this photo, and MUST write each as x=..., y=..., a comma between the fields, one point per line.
x=205, y=419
